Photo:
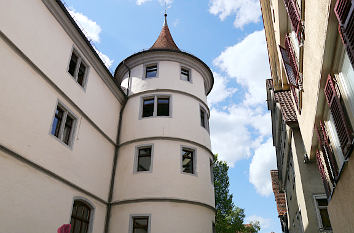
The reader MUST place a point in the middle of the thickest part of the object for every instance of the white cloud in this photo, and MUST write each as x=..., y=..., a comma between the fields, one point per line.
x=92, y=31
x=237, y=131
x=90, y=28
x=246, y=11
x=264, y=222
x=263, y=161
x=247, y=62
x=140, y=2
x=162, y=2
x=220, y=90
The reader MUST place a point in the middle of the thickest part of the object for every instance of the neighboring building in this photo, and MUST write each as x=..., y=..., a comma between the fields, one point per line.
x=279, y=199
x=311, y=98
x=75, y=148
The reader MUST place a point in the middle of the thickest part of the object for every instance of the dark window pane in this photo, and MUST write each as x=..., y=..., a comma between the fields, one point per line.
x=81, y=74
x=57, y=121
x=67, y=129
x=325, y=218
x=148, y=107
x=77, y=227
x=185, y=74
x=322, y=202
x=80, y=217
x=151, y=71
x=144, y=159
x=163, y=106
x=140, y=224
x=211, y=171
x=72, y=64
x=202, y=117
x=187, y=161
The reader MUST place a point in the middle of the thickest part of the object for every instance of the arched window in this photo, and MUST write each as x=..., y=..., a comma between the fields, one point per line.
x=80, y=217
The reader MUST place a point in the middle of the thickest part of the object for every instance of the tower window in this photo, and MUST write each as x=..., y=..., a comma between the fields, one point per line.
x=148, y=107
x=144, y=159
x=80, y=217
x=140, y=224
x=151, y=71
x=204, y=118
x=77, y=68
x=63, y=125
x=185, y=74
x=161, y=108
x=188, y=160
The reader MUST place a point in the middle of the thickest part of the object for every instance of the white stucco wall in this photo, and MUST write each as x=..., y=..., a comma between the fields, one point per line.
x=165, y=217
x=39, y=35
x=33, y=202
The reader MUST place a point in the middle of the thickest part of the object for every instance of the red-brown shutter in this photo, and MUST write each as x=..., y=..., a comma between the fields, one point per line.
x=322, y=173
x=295, y=69
x=294, y=15
x=344, y=10
x=341, y=123
x=328, y=155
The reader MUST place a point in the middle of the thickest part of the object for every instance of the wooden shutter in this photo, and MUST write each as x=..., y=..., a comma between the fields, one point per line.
x=344, y=10
x=341, y=123
x=322, y=173
x=294, y=15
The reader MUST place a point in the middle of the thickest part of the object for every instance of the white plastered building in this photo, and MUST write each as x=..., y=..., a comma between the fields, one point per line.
x=122, y=153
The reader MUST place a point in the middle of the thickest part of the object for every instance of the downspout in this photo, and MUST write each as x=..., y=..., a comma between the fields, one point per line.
x=115, y=158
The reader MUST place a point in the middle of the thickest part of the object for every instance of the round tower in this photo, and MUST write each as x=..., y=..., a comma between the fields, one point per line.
x=164, y=177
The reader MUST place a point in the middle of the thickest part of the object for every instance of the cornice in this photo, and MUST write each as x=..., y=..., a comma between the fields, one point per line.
x=155, y=55
x=60, y=13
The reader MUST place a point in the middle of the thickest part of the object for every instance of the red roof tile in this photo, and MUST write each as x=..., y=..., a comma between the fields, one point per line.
x=279, y=196
x=165, y=40
x=287, y=106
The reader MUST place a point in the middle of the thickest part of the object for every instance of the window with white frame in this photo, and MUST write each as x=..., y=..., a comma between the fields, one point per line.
x=140, y=224
x=156, y=106
x=321, y=204
x=188, y=160
x=143, y=159
x=151, y=71
x=63, y=125
x=204, y=118
x=185, y=74
x=78, y=68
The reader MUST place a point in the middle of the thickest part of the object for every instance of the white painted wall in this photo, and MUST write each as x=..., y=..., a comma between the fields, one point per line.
x=165, y=217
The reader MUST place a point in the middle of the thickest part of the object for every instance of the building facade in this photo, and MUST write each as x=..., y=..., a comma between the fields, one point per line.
x=311, y=98
x=128, y=152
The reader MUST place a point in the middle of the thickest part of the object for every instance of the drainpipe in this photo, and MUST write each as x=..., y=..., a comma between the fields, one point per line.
x=115, y=158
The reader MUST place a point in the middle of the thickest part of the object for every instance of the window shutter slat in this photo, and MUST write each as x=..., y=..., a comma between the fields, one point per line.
x=344, y=11
x=341, y=123
x=294, y=15
x=322, y=173
x=328, y=150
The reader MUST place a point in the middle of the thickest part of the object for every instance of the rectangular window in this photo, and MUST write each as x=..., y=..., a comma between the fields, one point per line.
x=322, y=213
x=151, y=71
x=63, y=125
x=148, y=107
x=77, y=68
x=163, y=106
x=185, y=74
x=211, y=171
x=204, y=118
x=188, y=160
x=144, y=159
x=140, y=224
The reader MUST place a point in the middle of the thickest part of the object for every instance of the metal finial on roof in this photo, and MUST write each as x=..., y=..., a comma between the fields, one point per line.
x=165, y=22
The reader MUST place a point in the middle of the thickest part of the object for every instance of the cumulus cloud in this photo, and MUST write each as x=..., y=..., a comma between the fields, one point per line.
x=89, y=27
x=162, y=2
x=247, y=62
x=246, y=11
x=220, y=89
x=264, y=222
x=259, y=172
x=237, y=130
x=92, y=31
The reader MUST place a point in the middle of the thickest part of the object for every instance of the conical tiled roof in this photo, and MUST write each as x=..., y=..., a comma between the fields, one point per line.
x=165, y=40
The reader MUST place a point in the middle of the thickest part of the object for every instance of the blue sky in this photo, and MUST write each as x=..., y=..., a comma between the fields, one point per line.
x=228, y=36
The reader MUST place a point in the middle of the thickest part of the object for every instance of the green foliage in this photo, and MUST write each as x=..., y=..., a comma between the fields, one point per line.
x=229, y=218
